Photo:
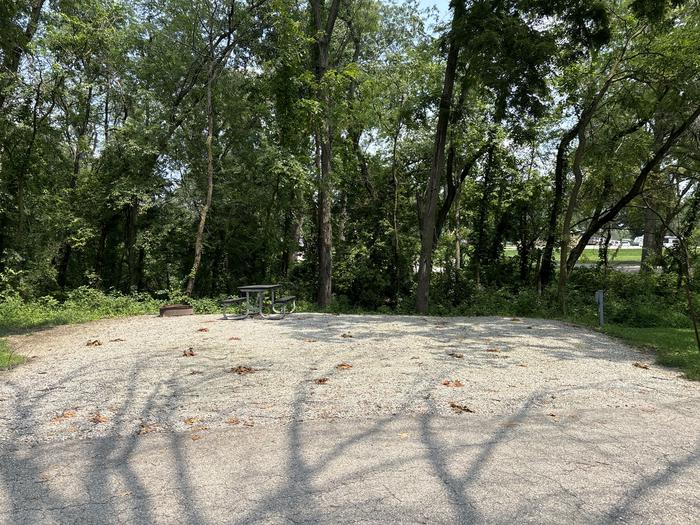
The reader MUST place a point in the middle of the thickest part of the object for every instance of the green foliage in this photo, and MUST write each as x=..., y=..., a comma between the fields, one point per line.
x=673, y=347
x=103, y=164
x=635, y=299
x=8, y=359
x=631, y=299
x=81, y=305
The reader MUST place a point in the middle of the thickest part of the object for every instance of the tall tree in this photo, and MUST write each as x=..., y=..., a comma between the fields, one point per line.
x=323, y=22
x=429, y=204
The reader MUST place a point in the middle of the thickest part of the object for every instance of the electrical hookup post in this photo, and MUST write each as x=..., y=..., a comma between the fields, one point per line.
x=601, y=307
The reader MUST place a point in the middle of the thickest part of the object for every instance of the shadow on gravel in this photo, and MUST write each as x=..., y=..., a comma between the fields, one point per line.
x=304, y=473
x=624, y=509
x=555, y=339
x=307, y=471
x=111, y=475
x=464, y=507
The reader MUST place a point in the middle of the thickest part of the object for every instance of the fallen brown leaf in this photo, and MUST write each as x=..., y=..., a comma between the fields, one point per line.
x=458, y=355
x=93, y=342
x=146, y=429
x=196, y=437
x=247, y=423
x=233, y=421
x=310, y=341
x=203, y=329
x=99, y=418
x=456, y=383
x=66, y=414
x=460, y=409
x=188, y=353
x=346, y=335
x=552, y=414
x=494, y=350
x=242, y=370
x=641, y=365
x=321, y=381
x=524, y=365
x=192, y=420
x=234, y=338
x=196, y=372
x=343, y=366
x=117, y=340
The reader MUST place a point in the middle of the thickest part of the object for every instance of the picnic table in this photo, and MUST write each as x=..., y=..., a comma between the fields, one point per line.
x=258, y=291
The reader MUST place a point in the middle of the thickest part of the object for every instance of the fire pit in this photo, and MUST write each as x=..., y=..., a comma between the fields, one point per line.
x=172, y=310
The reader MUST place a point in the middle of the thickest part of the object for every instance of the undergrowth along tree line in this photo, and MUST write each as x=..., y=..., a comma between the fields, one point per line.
x=367, y=153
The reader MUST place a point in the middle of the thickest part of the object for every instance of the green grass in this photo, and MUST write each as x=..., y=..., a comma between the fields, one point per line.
x=83, y=304
x=7, y=358
x=17, y=316
x=674, y=347
x=590, y=255
x=626, y=256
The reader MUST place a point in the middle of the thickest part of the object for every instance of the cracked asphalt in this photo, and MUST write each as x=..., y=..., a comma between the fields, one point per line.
x=552, y=424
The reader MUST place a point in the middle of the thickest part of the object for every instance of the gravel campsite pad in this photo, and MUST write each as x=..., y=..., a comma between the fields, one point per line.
x=439, y=419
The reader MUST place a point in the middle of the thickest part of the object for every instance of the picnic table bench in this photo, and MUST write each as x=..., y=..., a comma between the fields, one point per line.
x=227, y=303
x=278, y=305
x=284, y=302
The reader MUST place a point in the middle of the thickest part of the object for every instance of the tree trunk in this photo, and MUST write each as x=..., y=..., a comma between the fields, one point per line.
x=430, y=199
x=199, y=239
x=458, y=235
x=653, y=240
x=547, y=266
x=568, y=216
x=324, y=31
x=100, y=254
x=132, y=213
x=66, y=249
x=396, y=246
x=604, y=250
x=325, y=259
x=480, y=244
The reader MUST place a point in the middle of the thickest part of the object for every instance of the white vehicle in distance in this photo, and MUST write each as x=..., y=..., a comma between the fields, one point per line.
x=614, y=244
x=625, y=243
x=671, y=242
x=638, y=241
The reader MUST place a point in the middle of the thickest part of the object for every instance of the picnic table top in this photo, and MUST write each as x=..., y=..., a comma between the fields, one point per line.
x=258, y=287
